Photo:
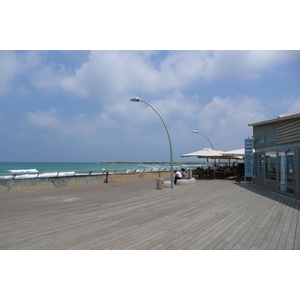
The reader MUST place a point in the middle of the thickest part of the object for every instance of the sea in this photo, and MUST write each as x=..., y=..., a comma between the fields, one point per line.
x=68, y=168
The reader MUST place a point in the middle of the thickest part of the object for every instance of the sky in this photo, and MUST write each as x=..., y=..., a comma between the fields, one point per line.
x=65, y=98
x=74, y=105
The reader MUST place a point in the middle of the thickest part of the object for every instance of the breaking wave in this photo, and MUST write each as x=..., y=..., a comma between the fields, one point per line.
x=24, y=171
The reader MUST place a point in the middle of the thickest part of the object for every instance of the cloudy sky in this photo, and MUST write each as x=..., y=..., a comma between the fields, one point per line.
x=74, y=105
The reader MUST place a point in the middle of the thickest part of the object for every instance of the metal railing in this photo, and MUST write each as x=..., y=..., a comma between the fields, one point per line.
x=29, y=175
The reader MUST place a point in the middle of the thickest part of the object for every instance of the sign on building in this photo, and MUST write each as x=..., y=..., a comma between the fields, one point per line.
x=248, y=158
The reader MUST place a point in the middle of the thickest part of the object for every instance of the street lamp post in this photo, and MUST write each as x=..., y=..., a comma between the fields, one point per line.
x=196, y=131
x=212, y=147
x=137, y=99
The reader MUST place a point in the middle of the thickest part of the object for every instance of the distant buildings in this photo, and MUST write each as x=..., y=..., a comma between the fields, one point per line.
x=277, y=154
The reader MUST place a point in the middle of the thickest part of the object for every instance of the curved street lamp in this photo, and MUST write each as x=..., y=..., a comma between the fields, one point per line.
x=196, y=131
x=137, y=99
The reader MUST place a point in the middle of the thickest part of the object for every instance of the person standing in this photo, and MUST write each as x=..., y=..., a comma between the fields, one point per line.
x=215, y=171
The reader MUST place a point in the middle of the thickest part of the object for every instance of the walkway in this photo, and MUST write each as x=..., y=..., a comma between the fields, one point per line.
x=209, y=214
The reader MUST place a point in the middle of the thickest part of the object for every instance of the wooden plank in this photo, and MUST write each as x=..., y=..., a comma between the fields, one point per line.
x=209, y=214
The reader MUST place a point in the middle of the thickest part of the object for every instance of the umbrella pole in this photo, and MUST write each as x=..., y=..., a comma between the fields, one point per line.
x=207, y=167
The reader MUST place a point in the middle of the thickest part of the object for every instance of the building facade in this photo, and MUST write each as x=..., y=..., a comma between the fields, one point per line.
x=276, y=162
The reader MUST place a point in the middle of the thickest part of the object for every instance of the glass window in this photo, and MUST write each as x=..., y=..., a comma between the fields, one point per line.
x=259, y=165
x=290, y=183
x=282, y=170
x=299, y=170
x=270, y=163
x=286, y=171
x=271, y=137
x=259, y=140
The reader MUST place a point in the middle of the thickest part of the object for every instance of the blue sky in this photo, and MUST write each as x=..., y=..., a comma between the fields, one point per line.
x=74, y=105
x=58, y=104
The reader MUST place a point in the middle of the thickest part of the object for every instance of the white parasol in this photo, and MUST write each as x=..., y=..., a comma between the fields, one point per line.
x=238, y=152
x=205, y=153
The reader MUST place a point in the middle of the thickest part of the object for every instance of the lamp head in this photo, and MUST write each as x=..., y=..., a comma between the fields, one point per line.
x=135, y=99
x=195, y=131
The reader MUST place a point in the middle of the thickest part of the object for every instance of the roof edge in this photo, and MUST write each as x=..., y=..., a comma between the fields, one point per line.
x=278, y=119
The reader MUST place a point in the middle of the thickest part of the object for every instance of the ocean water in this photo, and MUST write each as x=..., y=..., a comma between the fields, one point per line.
x=27, y=168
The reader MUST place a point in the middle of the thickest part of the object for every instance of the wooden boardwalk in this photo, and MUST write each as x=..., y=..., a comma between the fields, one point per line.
x=208, y=215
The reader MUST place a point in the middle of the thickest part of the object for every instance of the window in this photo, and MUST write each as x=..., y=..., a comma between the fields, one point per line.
x=259, y=165
x=286, y=165
x=270, y=165
x=259, y=140
x=271, y=137
x=265, y=139
x=299, y=170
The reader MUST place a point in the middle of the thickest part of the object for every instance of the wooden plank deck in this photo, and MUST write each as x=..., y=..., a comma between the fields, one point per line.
x=208, y=215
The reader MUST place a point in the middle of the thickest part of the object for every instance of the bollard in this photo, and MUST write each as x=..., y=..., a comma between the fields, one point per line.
x=159, y=183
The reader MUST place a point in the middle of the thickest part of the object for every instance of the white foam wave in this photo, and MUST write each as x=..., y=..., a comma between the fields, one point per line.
x=5, y=177
x=153, y=169
x=24, y=171
x=26, y=176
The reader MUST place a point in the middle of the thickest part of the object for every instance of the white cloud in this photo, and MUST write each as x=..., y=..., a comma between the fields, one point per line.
x=173, y=107
x=88, y=125
x=226, y=119
x=176, y=106
x=80, y=125
x=108, y=75
x=47, y=77
x=245, y=65
x=289, y=105
x=9, y=68
x=44, y=119
x=32, y=66
x=293, y=106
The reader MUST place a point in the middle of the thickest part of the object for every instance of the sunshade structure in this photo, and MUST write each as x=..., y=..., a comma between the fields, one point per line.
x=238, y=152
x=213, y=154
x=205, y=153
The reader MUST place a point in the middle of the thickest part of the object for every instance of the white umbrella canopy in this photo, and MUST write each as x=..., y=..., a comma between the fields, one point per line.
x=238, y=152
x=213, y=154
x=205, y=153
